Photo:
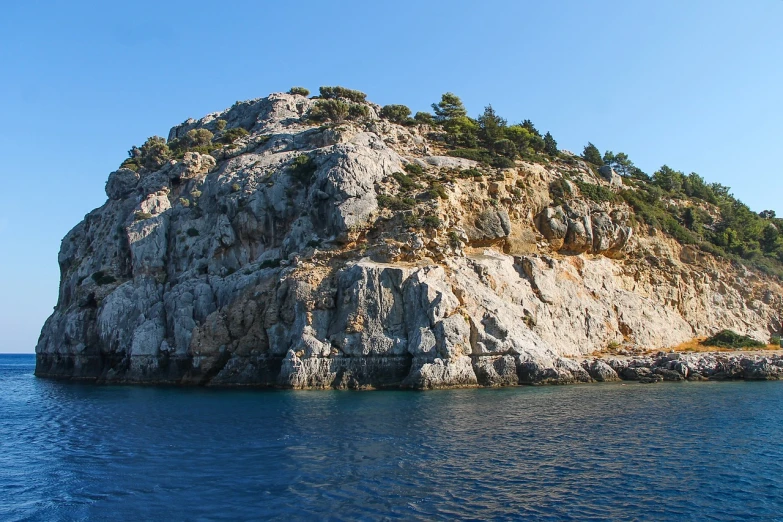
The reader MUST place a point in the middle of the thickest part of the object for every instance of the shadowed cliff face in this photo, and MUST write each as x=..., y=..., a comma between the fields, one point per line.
x=256, y=266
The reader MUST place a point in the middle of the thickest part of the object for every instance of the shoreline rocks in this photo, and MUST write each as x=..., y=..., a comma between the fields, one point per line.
x=407, y=372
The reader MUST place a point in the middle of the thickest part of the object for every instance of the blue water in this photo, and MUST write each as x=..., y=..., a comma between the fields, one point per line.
x=673, y=451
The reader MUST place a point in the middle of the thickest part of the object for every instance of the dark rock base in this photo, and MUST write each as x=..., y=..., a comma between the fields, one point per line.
x=401, y=371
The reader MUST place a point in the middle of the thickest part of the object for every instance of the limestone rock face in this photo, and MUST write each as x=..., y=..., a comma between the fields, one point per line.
x=578, y=228
x=235, y=268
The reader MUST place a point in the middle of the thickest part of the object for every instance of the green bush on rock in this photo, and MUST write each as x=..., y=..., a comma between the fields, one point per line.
x=396, y=113
x=302, y=169
x=731, y=339
x=331, y=93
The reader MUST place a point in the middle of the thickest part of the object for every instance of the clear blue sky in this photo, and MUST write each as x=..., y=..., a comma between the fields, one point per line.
x=694, y=84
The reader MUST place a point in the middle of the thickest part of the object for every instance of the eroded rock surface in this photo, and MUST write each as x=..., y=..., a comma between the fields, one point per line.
x=232, y=269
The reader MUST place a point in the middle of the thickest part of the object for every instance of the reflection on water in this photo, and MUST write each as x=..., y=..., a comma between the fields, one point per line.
x=667, y=451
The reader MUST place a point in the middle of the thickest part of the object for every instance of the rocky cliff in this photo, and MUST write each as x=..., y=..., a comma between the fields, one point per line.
x=359, y=254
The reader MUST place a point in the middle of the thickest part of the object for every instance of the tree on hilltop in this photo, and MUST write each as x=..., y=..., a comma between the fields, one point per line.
x=550, y=145
x=491, y=127
x=449, y=108
x=592, y=155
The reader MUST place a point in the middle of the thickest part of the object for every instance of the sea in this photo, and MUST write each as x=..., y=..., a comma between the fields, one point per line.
x=620, y=451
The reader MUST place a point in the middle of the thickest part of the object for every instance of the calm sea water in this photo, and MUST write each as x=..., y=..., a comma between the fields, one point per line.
x=670, y=451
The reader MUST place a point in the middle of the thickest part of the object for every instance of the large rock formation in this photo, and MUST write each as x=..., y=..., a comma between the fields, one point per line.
x=244, y=268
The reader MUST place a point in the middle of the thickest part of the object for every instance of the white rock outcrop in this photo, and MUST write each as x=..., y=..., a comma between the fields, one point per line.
x=231, y=269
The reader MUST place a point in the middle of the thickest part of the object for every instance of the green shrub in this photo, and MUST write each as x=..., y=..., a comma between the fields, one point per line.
x=596, y=193
x=141, y=216
x=480, y=155
x=775, y=339
x=424, y=118
x=337, y=111
x=358, y=111
x=232, y=135
x=193, y=232
x=301, y=91
x=431, y=221
x=198, y=138
x=195, y=140
x=133, y=164
x=329, y=110
x=454, y=239
x=154, y=153
x=396, y=113
x=461, y=132
x=405, y=181
x=330, y=93
x=560, y=191
x=483, y=156
x=505, y=147
x=471, y=173
x=410, y=221
x=414, y=168
x=438, y=191
x=731, y=339
x=101, y=278
x=220, y=124
x=302, y=169
x=395, y=203
x=501, y=162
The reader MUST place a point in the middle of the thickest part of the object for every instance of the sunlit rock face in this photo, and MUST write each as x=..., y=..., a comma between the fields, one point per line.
x=251, y=265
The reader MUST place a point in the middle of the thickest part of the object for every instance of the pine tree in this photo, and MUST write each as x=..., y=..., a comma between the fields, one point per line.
x=550, y=145
x=592, y=155
x=449, y=107
x=491, y=127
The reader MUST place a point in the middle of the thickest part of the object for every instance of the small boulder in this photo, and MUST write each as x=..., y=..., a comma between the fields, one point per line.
x=121, y=183
x=610, y=175
x=493, y=223
x=600, y=371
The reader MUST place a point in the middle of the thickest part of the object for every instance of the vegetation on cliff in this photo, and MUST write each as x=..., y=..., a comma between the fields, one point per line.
x=685, y=206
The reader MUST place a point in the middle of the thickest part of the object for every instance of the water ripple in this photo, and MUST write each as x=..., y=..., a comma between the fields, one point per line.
x=690, y=451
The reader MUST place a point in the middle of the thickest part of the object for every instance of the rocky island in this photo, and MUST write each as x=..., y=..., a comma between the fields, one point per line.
x=328, y=242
